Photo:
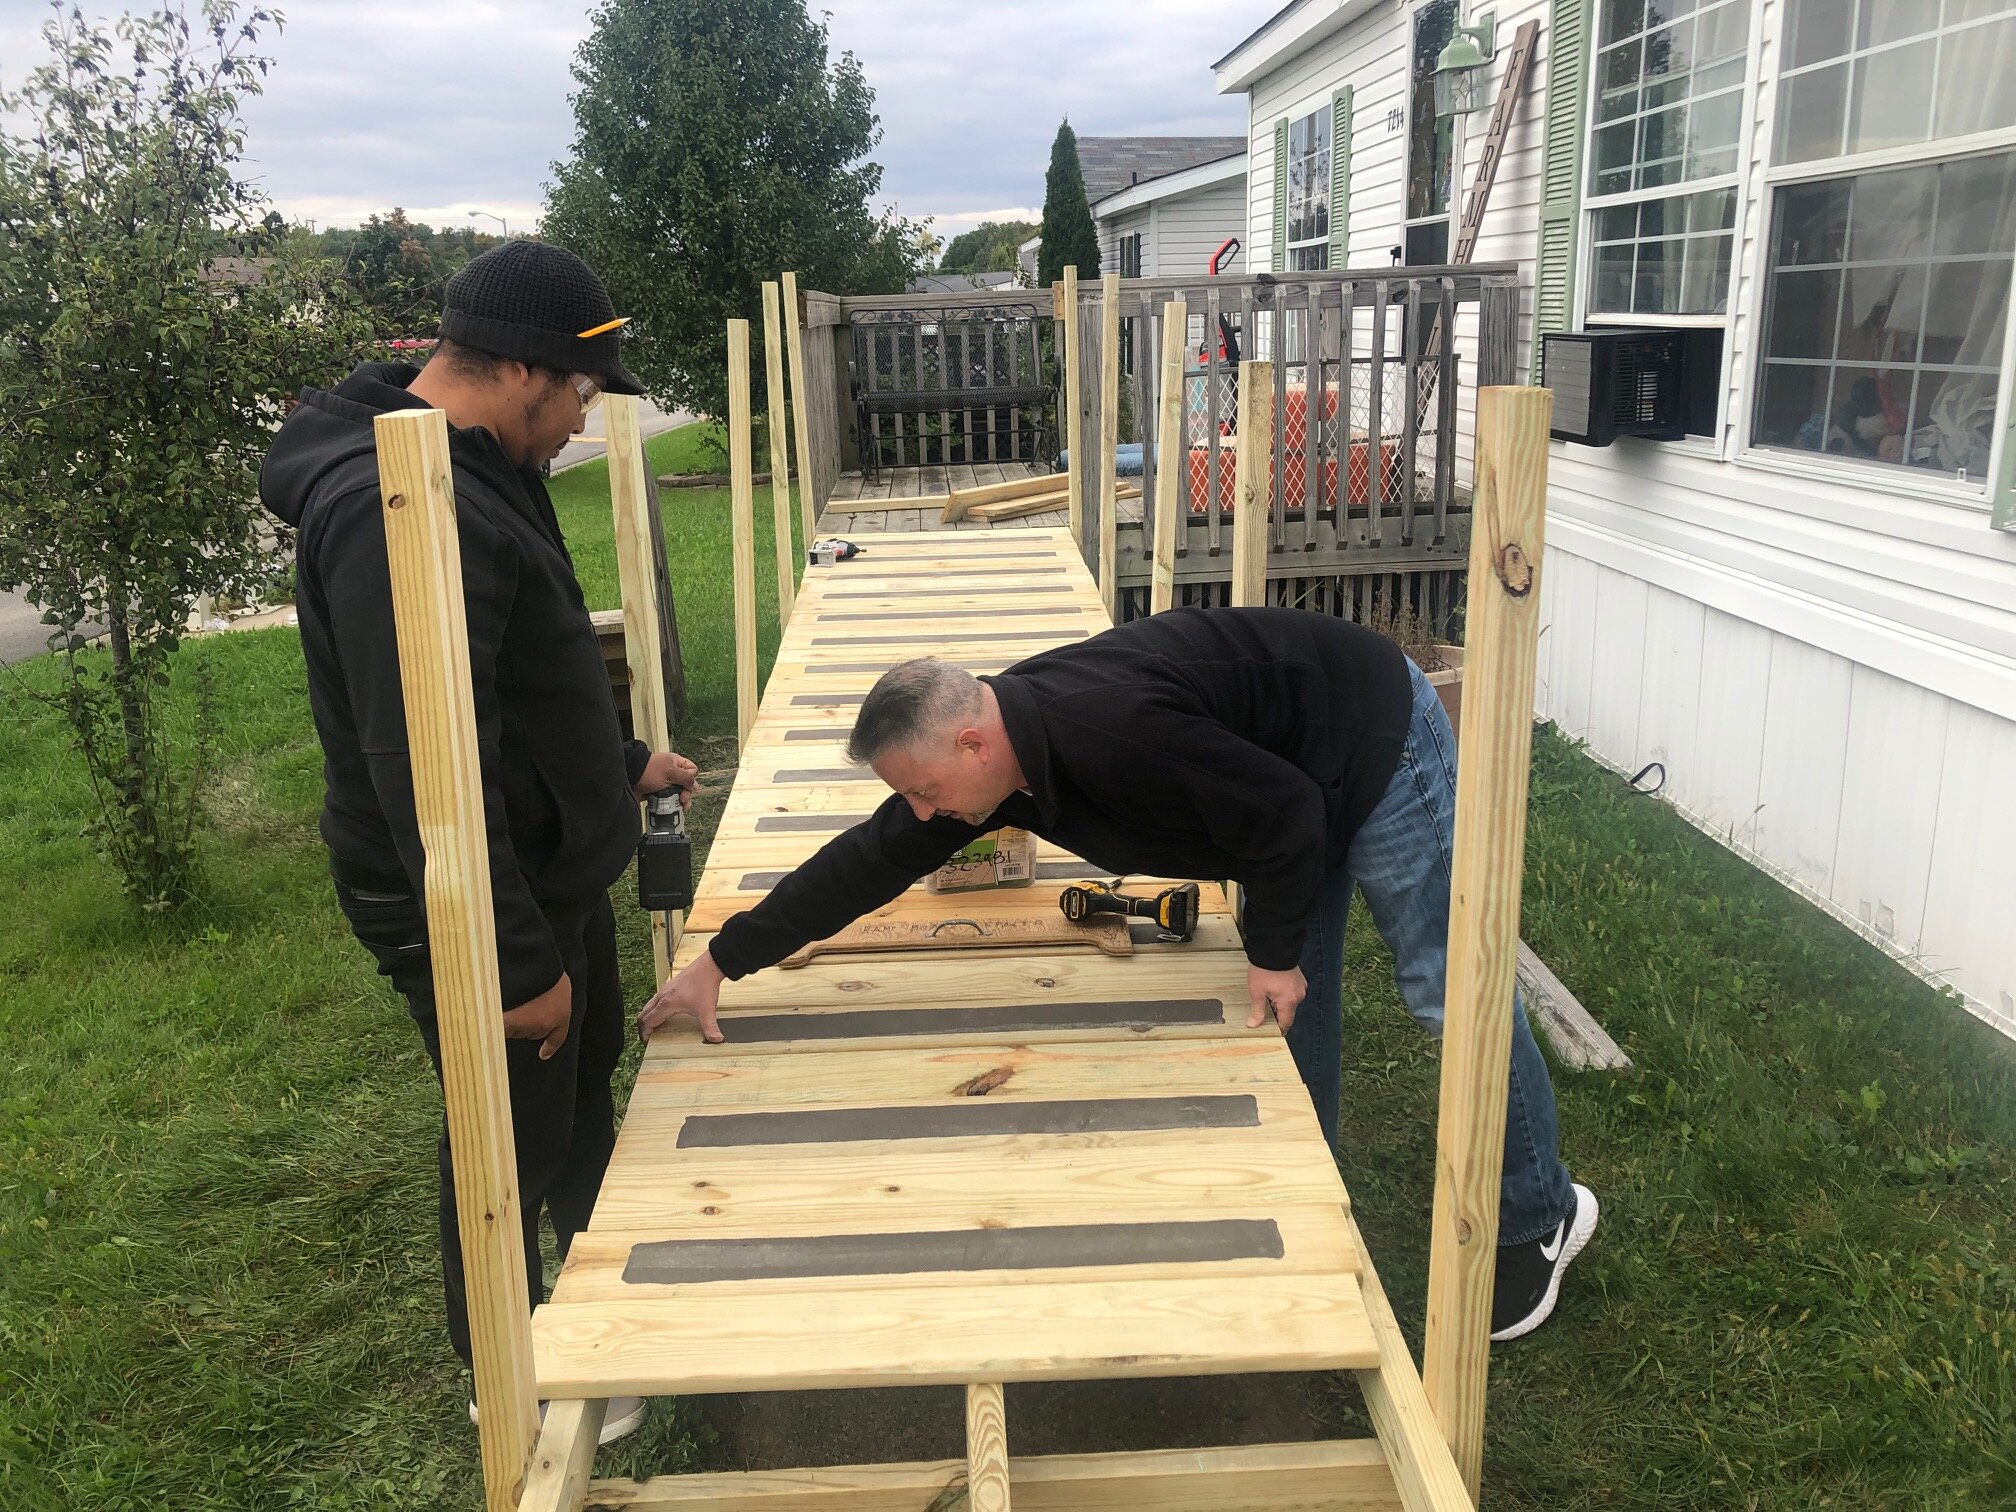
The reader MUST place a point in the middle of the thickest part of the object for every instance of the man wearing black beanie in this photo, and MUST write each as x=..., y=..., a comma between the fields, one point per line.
x=529, y=344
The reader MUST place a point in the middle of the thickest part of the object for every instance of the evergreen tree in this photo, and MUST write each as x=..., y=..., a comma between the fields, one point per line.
x=1068, y=234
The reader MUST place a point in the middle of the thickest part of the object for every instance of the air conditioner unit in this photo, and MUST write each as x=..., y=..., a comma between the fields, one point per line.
x=1616, y=383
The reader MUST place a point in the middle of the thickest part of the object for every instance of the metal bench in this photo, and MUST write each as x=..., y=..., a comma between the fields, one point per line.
x=979, y=368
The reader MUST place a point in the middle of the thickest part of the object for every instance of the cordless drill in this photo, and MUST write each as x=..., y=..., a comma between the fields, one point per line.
x=1174, y=909
x=664, y=855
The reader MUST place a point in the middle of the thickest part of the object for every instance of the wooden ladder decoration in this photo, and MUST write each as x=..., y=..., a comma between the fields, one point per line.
x=1518, y=65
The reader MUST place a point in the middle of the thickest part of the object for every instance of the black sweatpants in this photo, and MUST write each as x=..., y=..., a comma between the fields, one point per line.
x=563, y=1115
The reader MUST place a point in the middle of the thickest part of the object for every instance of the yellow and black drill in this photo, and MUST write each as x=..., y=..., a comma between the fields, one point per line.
x=1174, y=909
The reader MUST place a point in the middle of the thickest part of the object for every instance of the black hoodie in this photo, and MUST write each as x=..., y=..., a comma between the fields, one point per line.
x=1247, y=744
x=557, y=775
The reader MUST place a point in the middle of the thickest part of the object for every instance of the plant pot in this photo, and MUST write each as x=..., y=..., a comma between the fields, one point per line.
x=1448, y=685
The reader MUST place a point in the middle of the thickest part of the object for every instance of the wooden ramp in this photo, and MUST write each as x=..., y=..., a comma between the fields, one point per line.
x=965, y=1167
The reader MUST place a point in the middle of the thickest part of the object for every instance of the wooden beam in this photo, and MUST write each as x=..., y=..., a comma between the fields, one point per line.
x=1347, y=1476
x=1074, y=440
x=794, y=350
x=742, y=508
x=564, y=1458
x=1172, y=457
x=986, y=1449
x=1507, y=535
x=1252, y=460
x=650, y=712
x=780, y=454
x=414, y=480
x=959, y=500
x=1109, y=440
x=1424, y=1472
x=1572, y=1032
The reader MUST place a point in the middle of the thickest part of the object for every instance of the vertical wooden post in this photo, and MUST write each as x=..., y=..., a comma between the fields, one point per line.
x=426, y=564
x=1507, y=533
x=780, y=455
x=1252, y=459
x=1172, y=459
x=1109, y=442
x=794, y=351
x=742, y=523
x=1074, y=440
x=650, y=708
x=986, y=1449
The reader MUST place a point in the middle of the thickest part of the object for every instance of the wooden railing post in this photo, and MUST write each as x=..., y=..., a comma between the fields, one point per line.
x=780, y=455
x=650, y=709
x=1507, y=534
x=742, y=527
x=1172, y=459
x=1074, y=441
x=1109, y=441
x=1252, y=461
x=425, y=558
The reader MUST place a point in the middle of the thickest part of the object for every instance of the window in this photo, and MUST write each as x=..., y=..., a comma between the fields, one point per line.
x=1886, y=299
x=1431, y=140
x=1130, y=255
x=1666, y=256
x=1669, y=93
x=1309, y=191
x=1863, y=75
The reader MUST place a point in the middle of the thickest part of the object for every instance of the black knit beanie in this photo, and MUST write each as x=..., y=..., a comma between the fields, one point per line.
x=530, y=301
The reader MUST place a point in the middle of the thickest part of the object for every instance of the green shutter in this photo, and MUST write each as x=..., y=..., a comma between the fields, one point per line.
x=1561, y=172
x=2004, y=517
x=1340, y=178
x=1281, y=194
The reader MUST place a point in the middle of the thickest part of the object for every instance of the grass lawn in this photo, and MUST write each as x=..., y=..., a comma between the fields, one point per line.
x=217, y=1281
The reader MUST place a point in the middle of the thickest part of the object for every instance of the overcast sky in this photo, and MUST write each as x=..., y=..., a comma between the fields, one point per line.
x=444, y=106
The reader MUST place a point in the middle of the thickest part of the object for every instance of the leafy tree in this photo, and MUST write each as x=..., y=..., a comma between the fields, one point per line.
x=1068, y=234
x=990, y=247
x=716, y=144
x=399, y=268
x=142, y=369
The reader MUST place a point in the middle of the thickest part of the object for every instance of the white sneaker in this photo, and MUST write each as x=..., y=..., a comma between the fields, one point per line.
x=623, y=1417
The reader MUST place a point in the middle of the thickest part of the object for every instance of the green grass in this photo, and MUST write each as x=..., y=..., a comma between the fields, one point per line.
x=701, y=447
x=217, y=1281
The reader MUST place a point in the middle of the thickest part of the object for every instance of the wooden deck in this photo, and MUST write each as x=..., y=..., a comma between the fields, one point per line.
x=913, y=482
x=828, y=1199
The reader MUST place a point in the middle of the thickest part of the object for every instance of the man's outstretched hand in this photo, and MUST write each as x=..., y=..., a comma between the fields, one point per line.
x=694, y=993
x=1282, y=991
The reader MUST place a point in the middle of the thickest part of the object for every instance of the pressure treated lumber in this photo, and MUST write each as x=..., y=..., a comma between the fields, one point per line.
x=1015, y=509
x=650, y=716
x=427, y=610
x=1109, y=442
x=1507, y=537
x=564, y=1457
x=1074, y=426
x=742, y=509
x=882, y=506
x=986, y=1449
x=959, y=500
x=1171, y=456
x=794, y=350
x=1345, y=1476
x=780, y=455
x=1252, y=466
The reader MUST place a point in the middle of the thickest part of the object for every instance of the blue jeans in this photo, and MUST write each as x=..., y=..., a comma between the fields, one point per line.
x=1401, y=860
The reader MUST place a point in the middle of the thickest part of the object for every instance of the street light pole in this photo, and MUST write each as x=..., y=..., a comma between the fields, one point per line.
x=488, y=215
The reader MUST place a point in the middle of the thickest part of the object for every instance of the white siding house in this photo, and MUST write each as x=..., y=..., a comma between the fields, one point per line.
x=1172, y=225
x=1805, y=610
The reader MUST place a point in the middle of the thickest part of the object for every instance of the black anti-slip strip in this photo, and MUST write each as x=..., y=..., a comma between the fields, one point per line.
x=983, y=637
x=800, y=700
x=832, y=733
x=1046, y=871
x=878, y=593
x=834, y=668
x=677, y=1262
x=969, y=572
x=911, y=551
x=775, y=824
x=824, y=774
x=883, y=1023
x=1032, y=612
x=969, y=1119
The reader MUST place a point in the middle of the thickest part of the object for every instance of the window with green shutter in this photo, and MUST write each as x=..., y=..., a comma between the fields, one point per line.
x=1280, y=237
x=1561, y=172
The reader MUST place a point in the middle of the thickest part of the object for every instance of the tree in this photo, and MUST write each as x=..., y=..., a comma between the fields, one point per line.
x=142, y=369
x=990, y=247
x=716, y=145
x=399, y=268
x=1068, y=234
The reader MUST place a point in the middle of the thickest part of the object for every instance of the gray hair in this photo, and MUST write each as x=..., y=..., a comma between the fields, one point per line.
x=910, y=702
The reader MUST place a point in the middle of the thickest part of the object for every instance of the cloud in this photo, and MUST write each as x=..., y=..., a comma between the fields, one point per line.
x=449, y=106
